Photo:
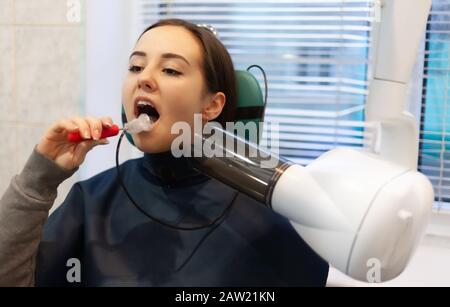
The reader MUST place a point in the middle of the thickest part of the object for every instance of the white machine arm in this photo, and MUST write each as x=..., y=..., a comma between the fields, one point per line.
x=396, y=38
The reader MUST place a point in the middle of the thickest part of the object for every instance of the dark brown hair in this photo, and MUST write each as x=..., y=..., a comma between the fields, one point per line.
x=218, y=68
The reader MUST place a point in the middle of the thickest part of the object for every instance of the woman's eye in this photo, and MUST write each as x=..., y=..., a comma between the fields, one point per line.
x=171, y=72
x=135, y=68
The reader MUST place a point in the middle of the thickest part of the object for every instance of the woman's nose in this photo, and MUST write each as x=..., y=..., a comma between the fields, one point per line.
x=146, y=81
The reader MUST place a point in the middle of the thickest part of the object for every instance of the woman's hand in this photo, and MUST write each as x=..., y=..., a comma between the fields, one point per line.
x=55, y=146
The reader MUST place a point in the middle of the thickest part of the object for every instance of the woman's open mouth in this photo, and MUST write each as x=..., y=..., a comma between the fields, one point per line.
x=146, y=108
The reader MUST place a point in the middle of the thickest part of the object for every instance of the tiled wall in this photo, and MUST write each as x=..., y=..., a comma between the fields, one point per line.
x=41, y=62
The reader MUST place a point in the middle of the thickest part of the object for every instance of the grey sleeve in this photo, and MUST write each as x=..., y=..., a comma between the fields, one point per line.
x=24, y=209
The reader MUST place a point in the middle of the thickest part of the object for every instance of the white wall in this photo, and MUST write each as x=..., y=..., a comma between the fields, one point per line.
x=40, y=78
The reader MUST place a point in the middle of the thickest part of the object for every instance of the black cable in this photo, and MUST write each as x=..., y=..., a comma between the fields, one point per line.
x=206, y=235
x=119, y=177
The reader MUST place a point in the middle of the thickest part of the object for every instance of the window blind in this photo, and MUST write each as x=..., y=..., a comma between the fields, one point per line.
x=315, y=54
x=434, y=114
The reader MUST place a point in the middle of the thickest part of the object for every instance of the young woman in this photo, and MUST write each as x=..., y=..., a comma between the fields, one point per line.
x=180, y=69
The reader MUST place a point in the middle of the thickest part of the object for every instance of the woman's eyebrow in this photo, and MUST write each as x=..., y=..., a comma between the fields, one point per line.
x=167, y=55
x=170, y=55
x=139, y=53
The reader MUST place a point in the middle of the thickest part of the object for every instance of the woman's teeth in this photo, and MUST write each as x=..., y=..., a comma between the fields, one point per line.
x=144, y=103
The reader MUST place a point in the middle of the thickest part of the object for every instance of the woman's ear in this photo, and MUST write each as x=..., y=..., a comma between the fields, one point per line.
x=214, y=106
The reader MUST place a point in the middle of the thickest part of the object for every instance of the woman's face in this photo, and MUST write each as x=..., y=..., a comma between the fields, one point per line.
x=165, y=71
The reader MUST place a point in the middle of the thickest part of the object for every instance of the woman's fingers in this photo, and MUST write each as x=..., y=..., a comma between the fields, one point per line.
x=107, y=121
x=96, y=127
x=58, y=129
x=84, y=128
x=89, y=127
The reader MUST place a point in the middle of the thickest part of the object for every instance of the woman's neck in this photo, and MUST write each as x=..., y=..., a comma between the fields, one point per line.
x=167, y=170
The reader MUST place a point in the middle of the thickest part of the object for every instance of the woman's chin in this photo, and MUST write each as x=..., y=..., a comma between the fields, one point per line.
x=150, y=145
x=157, y=140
